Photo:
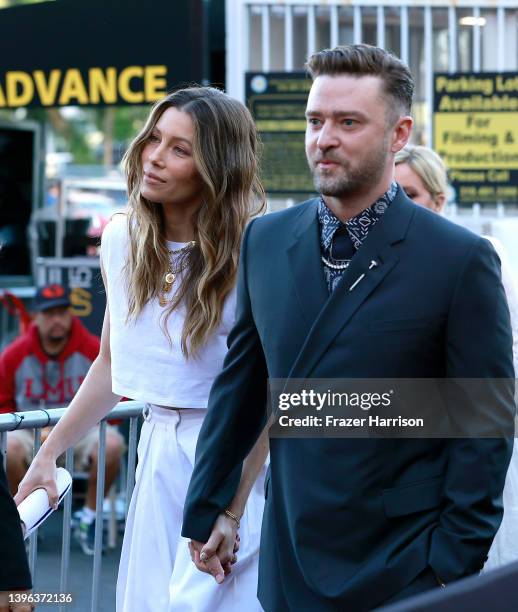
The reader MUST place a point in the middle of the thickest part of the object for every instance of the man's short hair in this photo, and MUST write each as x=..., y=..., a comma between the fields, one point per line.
x=366, y=60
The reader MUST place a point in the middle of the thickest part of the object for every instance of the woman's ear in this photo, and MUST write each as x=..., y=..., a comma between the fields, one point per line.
x=439, y=201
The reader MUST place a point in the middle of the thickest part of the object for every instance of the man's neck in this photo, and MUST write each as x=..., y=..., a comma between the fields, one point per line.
x=352, y=204
x=53, y=348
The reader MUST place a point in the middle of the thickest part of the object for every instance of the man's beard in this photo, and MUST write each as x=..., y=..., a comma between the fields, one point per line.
x=57, y=334
x=350, y=180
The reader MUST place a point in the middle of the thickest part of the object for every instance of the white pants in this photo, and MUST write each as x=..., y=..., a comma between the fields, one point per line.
x=156, y=573
x=505, y=545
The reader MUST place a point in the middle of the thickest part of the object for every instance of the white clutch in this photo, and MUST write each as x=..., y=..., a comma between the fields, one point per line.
x=35, y=508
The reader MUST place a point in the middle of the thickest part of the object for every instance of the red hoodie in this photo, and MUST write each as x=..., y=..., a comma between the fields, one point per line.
x=29, y=377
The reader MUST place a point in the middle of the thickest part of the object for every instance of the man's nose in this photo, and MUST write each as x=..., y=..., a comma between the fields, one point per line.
x=327, y=137
x=57, y=318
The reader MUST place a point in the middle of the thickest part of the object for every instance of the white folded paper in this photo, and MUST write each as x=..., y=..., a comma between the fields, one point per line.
x=35, y=508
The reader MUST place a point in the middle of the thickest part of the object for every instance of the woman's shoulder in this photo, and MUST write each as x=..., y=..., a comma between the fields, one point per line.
x=116, y=229
x=118, y=221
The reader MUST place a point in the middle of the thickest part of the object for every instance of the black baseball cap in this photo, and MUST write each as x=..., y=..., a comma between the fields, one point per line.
x=50, y=296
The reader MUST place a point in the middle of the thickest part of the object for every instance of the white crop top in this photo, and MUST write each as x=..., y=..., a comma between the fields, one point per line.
x=145, y=366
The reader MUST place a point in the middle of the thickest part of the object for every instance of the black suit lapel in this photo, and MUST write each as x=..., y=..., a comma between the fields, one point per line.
x=305, y=263
x=371, y=264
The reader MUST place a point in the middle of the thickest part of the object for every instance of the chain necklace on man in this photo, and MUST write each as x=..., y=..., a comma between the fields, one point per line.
x=173, y=271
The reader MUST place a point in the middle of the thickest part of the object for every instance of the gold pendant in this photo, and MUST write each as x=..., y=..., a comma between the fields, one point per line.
x=162, y=301
x=170, y=277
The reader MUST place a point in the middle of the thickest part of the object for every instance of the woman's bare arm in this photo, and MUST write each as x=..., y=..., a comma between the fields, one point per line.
x=92, y=402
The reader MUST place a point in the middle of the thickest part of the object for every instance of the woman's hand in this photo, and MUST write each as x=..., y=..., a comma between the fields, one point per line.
x=217, y=556
x=40, y=475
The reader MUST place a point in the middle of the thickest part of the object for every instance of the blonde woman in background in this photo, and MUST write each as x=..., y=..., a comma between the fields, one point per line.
x=169, y=267
x=423, y=176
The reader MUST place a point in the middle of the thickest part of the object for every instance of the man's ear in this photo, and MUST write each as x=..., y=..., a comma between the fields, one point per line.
x=401, y=133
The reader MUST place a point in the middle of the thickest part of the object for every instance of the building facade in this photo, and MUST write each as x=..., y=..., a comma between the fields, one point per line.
x=429, y=35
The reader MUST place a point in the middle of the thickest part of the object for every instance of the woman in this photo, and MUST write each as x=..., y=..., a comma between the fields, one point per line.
x=423, y=176
x=169, y=267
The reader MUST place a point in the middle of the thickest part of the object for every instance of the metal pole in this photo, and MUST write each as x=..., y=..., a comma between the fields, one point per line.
x=311, y=20
x=452, y=39
x=98, y=541
x=288, y=38
x=357, y=24
x=265, y=26
x=132, y=459
x=333, y=24
x=65, y=544
x=404, y=33
x=476, y=39
x=60, y=221
x=380, y=27
x=237, y=18
x=500, y=20
x=428, y=60
x=33, y=538
x=3, y=448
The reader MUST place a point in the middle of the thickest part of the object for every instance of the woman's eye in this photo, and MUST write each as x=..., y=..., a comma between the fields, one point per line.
x=180, y=151
x=154, y=138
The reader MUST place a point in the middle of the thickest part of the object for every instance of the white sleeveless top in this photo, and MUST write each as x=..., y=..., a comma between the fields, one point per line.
x=144, y=365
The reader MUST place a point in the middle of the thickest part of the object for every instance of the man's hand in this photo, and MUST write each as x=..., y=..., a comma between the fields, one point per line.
x=217, y=556
x=9, y=606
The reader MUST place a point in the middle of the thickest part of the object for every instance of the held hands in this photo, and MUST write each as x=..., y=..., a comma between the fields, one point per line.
x=9, y=603
x=40, y=475
x=217, y=556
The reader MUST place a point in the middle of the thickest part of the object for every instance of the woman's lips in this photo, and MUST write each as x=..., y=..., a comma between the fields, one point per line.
x=152, y=179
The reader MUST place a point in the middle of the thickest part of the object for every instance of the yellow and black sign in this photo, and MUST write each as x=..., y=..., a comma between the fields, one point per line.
x=98, y=53
x=277, y=101
x=476, y=133
x=96, y=86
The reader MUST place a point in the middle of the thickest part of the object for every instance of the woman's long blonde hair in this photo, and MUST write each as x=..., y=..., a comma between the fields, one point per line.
x=225, y=151
x=428, y=166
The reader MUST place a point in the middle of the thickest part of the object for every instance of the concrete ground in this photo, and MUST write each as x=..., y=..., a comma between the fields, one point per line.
x=48, y=568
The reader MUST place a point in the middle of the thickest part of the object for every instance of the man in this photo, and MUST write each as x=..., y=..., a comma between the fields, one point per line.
x=43, y=369
x=496, y=590
x=359, y=283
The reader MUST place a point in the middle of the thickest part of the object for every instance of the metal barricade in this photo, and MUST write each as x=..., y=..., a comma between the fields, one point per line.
x=38, y=419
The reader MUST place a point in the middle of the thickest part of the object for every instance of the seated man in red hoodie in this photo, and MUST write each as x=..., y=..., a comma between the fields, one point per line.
x=44, y=368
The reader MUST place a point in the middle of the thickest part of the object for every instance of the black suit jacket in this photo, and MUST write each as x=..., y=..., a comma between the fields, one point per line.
x=350, y=522
x=14, y=569
x=496, y=591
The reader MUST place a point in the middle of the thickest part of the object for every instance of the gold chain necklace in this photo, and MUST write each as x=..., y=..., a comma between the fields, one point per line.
x=172, y=272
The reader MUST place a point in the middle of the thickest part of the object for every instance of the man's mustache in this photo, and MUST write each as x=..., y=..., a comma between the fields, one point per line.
x=330, y=158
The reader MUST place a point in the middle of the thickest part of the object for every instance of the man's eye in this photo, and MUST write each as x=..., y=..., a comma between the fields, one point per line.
x=313, y=121
x=348, y=122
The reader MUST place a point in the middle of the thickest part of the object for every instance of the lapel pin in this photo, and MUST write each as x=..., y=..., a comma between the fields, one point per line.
x=373, y=264
x=356, y=281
